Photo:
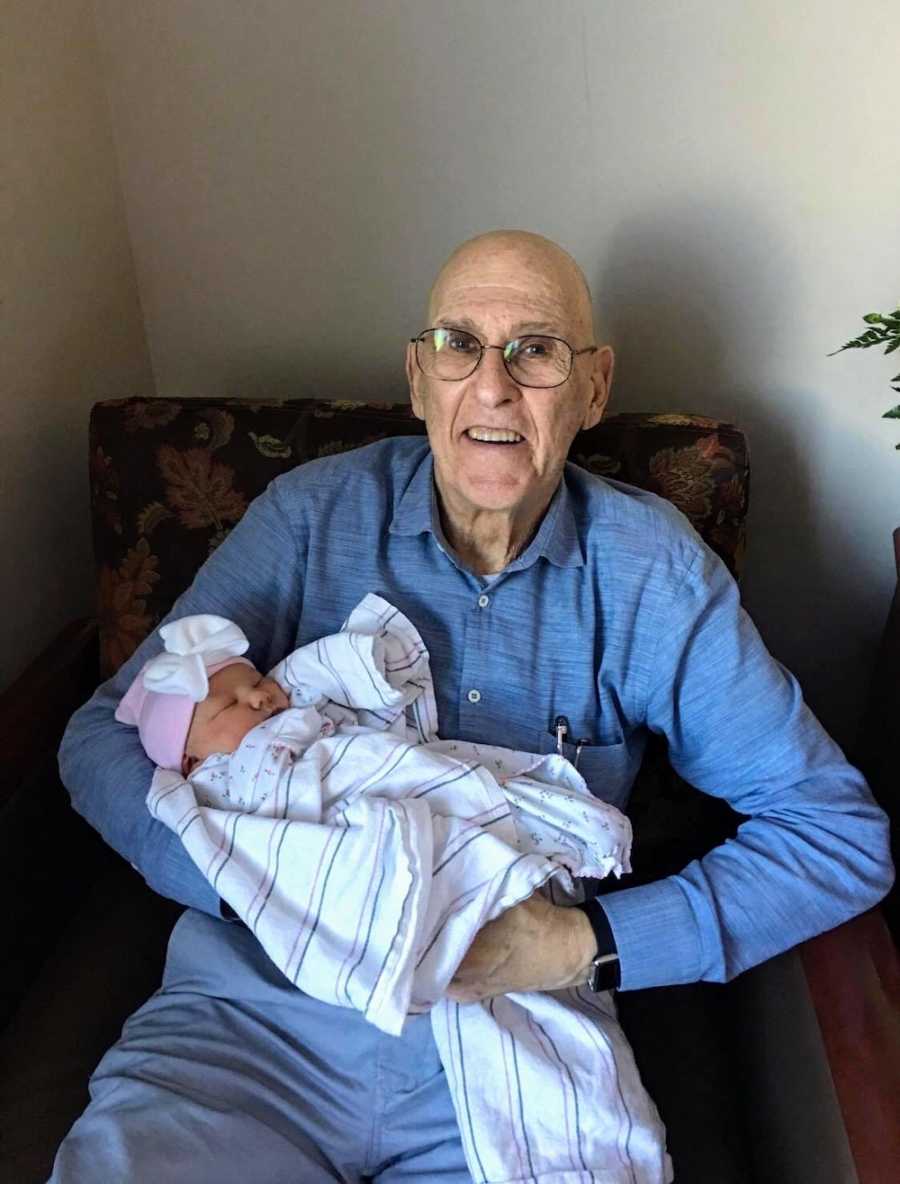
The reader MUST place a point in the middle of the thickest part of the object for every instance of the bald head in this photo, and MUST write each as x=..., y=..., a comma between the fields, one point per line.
x=538, y=270
x=501, y=288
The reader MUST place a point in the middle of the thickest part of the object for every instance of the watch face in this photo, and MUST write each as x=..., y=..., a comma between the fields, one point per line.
x=604, y=974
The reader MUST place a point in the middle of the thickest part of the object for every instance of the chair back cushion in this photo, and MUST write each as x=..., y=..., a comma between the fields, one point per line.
x=170, y=478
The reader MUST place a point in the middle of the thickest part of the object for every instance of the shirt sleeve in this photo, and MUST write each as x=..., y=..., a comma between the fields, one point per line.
x=813, y=851
x=253, y=578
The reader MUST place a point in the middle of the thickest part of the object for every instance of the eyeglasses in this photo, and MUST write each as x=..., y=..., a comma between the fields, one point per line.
x=535, y=361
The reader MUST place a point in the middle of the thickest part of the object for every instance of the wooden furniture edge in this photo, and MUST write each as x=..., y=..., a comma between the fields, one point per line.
x=853, y=975
x=34, y=710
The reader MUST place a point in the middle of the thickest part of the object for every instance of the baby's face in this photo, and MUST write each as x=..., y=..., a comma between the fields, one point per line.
x=239, y=698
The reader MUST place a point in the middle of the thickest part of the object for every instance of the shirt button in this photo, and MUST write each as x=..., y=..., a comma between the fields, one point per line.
x=483, y=601
x=474, y=696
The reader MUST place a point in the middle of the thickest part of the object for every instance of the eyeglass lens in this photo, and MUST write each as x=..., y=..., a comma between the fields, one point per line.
x=453, y=354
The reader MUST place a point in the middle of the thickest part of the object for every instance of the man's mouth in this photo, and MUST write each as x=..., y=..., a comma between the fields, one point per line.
x=493, y=436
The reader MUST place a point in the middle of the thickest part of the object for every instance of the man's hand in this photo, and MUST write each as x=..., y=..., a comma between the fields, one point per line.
x=535, y=946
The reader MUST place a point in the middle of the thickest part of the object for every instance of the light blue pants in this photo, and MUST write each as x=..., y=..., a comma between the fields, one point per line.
x=230, y=1075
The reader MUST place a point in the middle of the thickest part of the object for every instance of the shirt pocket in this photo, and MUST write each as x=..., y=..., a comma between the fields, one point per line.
x=608, y=769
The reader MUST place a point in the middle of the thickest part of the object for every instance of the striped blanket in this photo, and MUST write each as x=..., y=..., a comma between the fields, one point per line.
x=365, y=854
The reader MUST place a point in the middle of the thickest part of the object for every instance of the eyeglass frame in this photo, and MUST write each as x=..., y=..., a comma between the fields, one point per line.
x=576, y=353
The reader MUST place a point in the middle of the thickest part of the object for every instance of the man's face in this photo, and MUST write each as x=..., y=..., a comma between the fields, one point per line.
x=239, y=698
x=499, y=292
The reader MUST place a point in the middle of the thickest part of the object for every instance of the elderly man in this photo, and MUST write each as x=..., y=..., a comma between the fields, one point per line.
x=543, y=594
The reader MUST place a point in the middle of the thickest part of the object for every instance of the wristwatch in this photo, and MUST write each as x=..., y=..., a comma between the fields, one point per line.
x=603, y=970
x=603, y=973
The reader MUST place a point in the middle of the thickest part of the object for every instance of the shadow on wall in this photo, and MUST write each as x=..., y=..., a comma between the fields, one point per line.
x=691, y=297
x=697, y=301
x=317, y=371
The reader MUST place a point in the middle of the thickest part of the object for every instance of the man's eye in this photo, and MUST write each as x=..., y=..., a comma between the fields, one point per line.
x=461, y=344
x=533, y=349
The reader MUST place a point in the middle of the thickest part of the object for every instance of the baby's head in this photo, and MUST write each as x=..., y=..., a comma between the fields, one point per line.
x=239, y=698
x=200, y=695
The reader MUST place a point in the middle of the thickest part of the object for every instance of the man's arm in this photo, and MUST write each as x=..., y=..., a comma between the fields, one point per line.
x=255, y=579
x=813, y=853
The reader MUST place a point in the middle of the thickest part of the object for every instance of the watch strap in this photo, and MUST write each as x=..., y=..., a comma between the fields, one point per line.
x=604, y=973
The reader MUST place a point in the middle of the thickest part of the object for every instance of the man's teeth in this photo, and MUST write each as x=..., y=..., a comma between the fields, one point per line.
x=494, y=435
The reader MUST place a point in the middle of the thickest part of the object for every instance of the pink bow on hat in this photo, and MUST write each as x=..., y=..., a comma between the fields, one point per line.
x=160, y=702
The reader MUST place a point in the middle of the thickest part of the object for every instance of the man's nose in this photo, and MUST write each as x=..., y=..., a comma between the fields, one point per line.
x=492, y=382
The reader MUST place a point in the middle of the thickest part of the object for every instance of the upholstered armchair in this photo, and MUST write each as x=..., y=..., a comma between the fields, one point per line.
x=85, y=937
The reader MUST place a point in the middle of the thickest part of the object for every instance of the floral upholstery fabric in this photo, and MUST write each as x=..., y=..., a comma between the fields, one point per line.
x=169, y=480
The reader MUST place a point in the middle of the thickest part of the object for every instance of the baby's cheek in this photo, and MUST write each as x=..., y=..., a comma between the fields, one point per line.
x=243, y=724
x=229, y=733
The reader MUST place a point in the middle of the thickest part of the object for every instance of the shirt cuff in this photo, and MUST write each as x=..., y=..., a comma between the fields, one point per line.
x=656, y=934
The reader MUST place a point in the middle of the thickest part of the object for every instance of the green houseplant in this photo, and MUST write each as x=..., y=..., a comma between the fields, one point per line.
x=884, y=329
x=876, y=752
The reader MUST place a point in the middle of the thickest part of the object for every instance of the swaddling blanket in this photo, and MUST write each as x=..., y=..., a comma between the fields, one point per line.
x=365, y=854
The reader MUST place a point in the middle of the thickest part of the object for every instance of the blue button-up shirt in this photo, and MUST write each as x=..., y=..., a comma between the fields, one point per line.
x=616, y=616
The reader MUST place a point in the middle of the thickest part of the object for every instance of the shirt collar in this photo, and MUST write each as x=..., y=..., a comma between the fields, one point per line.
x=556, y=539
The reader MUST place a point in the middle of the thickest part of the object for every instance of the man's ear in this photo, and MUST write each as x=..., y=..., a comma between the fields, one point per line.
x=413, y=377
x=601, y=383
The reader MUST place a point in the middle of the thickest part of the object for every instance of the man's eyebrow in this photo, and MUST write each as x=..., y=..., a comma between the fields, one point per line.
x=538, y=327
x=522, y=329
x=456, y=323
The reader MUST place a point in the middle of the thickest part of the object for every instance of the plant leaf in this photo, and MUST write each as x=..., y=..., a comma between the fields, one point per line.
x=894, y=413
x=893, y=345
x=873, y=318
x=872, y=337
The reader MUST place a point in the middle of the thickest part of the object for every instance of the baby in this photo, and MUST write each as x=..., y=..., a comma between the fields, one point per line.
x=337, y=729
x=200, y=696
x=365, y=854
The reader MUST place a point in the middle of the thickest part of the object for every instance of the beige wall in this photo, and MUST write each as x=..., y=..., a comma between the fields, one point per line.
x=70, y=322
x=728, y=173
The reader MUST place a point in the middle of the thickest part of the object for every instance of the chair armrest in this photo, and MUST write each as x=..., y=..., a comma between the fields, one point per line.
x=853, y=973
x=48, y=855
x=36, y=708
x=877, y=750
x=106, y=962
